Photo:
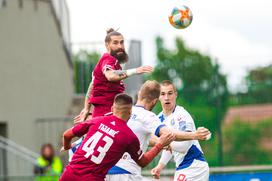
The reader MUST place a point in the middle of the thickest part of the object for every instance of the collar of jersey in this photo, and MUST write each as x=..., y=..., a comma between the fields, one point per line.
x=140, y=106
x=170, y=114
x=118, y=119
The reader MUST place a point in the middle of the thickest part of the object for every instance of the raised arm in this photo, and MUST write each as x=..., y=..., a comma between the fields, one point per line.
x=117, y=75
x=200, y=134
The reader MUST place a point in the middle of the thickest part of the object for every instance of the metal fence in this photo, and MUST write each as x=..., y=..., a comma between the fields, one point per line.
x=50, y=130
x=15, y=159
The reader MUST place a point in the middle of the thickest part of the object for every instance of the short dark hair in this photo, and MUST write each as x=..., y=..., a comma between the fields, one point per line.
x=123, y=99
x=111, y=32
x=168, y=82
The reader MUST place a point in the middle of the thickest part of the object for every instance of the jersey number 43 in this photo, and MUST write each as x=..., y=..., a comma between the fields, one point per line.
x=90, y=146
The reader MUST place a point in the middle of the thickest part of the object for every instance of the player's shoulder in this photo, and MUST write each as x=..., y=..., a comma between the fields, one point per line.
x=142, y=114
x=99, y=119
x=92, y=121
x=129, y=134
x=151, y=115
x=180, y=110
x=161, y=117
x=139, y=111
x=107, y=57
x=181, y=114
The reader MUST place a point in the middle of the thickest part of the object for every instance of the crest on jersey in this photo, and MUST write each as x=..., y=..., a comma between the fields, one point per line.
x=182, y=125
x=161, y=118
x=113, y=123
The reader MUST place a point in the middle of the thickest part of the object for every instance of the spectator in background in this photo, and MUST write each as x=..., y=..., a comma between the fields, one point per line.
x=48, y=166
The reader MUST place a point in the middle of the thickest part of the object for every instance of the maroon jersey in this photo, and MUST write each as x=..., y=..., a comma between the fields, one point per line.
x=107, y=139
x=104, y=91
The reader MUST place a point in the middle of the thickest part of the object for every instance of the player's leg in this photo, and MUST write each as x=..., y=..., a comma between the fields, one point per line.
x=201, y=170
x=197, y=171
x=124, y=177
x=117, y=177
x=180, y=176
x=135, y=177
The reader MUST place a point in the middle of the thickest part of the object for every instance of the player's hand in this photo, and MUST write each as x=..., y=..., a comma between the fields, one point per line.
x=71, y=146
x=82, y=116
x=202, y=133
x=156, y=173
x=166, y=139
x=62, y=149
x=168, y=148
x=144, y=69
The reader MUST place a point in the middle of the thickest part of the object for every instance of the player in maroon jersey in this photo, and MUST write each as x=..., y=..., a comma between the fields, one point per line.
x=107, y=139
x=107, y=77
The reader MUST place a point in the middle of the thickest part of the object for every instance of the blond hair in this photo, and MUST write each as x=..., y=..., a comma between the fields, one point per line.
x=150, y=91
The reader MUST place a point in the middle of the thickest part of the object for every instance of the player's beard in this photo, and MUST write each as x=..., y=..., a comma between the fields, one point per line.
x=122, y=58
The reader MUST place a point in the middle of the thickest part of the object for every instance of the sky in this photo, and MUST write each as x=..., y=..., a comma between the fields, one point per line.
x=235, y=32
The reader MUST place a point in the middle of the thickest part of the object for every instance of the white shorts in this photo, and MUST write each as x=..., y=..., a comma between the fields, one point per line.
x=123, y=177
x=198, y=171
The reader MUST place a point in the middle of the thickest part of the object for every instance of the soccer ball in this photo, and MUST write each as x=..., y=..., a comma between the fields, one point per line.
x=181, y=18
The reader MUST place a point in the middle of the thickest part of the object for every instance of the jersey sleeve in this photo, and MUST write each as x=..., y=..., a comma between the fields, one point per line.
x=134, y=149
x=153, y=124
x=165, y=157
x=108, y=64
x=82, y=128
x=181, y=146
x=186, y=122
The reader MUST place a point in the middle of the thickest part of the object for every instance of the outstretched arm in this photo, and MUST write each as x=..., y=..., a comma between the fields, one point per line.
x=147, y=157
x=117, y=75
x=150, y=155
x=200, y=134
x=181, y=146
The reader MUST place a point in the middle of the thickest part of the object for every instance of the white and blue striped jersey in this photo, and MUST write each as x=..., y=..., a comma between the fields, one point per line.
x=184, y=152
x=143, y=123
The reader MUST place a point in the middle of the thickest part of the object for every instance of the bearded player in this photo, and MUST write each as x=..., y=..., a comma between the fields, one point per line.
x=108, y=77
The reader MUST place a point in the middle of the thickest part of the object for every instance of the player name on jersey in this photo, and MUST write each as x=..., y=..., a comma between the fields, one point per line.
x=108, y=130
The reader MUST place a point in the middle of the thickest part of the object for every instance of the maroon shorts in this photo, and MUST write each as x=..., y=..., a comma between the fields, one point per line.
x=101, y=110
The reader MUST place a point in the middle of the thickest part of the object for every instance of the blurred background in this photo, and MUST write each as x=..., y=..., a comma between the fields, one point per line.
x=221, y=65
